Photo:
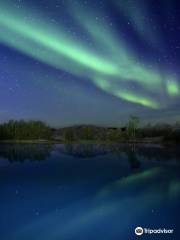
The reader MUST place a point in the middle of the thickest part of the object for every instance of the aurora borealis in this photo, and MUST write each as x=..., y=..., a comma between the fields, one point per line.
x=89, y=61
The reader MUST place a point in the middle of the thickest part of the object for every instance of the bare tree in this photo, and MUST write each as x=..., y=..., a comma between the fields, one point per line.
x=132, y=126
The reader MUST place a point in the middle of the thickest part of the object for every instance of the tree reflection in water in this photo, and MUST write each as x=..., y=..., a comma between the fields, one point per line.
x=22, y=152
x=135, y=153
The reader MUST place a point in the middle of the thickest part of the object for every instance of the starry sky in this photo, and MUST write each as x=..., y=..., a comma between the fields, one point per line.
x=89, y=61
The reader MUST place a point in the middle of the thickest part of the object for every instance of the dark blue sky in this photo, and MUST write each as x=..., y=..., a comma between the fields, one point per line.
x=89, y=62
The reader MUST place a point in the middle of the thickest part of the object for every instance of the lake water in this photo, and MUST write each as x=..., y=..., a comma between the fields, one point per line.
x=88, y=192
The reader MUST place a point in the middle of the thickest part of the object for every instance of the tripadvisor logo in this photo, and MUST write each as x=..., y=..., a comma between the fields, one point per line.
x=139, y=231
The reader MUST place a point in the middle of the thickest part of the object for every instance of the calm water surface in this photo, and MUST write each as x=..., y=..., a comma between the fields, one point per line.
x=88, y=192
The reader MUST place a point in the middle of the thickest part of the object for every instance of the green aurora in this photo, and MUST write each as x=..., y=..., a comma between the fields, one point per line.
x=110, y=70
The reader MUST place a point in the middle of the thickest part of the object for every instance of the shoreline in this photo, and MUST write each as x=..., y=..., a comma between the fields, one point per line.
x=136, y=141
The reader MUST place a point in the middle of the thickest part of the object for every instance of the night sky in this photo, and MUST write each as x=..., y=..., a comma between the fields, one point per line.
x=90, y=62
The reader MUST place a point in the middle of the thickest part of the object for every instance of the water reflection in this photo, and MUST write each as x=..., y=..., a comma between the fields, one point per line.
x=87, y=192
x=134, y=153
x=22, y=152
x=151, y=152
x=85, y=150
x=131, y=153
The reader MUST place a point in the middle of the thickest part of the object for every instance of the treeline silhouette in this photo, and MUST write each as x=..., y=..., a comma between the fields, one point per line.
x=131, y=132
x=148, y=134
x=24, y=130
